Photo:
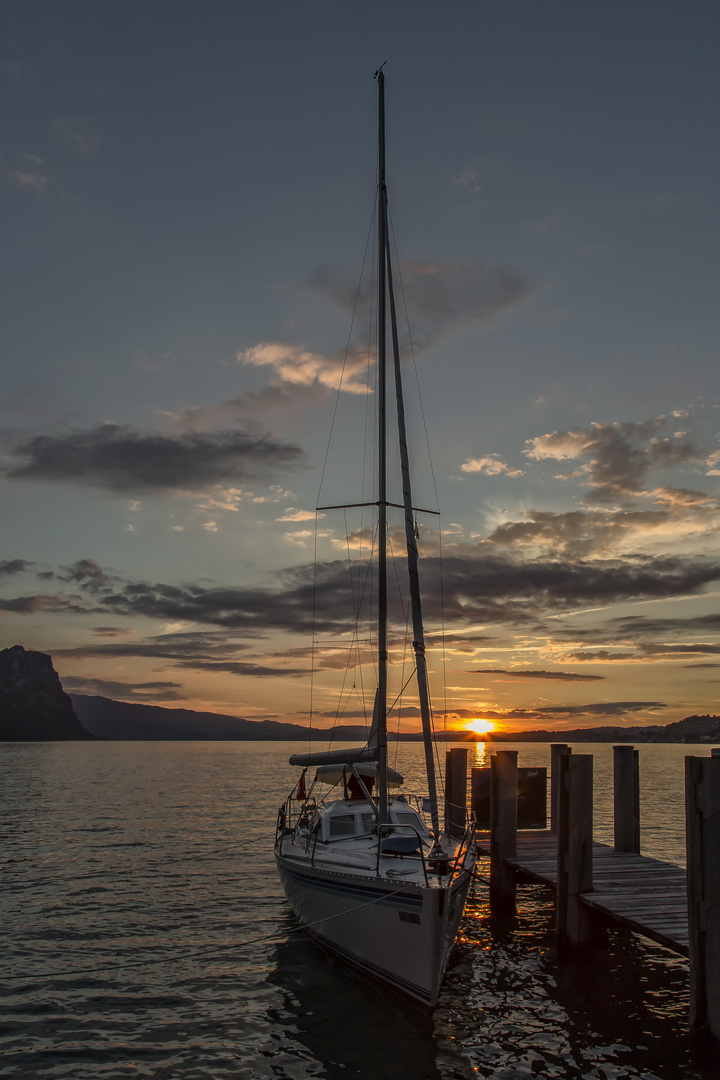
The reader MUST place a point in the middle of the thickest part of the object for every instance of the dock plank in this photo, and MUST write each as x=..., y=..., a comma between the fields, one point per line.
x=645, y=894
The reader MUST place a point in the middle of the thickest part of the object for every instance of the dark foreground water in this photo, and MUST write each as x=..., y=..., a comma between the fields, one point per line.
x=145, y=935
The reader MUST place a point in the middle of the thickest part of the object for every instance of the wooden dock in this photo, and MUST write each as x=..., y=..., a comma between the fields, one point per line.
x=645, y=895
x=594, y=882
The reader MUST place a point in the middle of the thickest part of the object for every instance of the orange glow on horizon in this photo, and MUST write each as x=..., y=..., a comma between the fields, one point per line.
x=480, y=726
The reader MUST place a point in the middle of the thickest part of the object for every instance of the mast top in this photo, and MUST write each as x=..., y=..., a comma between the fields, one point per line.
x=379, y=73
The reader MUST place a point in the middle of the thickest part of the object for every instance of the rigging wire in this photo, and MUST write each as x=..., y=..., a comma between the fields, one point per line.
x=406, y=622
x=356, y=599
x=414, y=360
x=407, y=682
x=312, y=638
x=442, y=629
x=347, y=349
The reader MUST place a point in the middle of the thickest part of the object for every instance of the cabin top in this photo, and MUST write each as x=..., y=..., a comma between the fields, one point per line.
x=345, y=818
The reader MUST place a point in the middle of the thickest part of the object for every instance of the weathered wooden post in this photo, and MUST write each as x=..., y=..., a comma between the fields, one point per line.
x=626, y=798
x=574, y=850
x=503, y=829
x=556, y=750
x=702, y=823
x=456, y=791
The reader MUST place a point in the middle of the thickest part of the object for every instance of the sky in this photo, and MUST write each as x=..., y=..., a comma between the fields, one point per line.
x=187, y=194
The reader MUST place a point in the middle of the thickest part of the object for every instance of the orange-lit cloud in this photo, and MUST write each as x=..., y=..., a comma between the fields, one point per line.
x=491, y=465
x=616, y=458
x=296, y=364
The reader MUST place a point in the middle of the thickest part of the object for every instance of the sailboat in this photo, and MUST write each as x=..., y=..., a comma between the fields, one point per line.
x=366, y=868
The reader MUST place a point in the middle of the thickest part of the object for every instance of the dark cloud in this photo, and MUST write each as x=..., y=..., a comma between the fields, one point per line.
x=146, y=692
x=262, y=671
x=281, y=399
x=493, y=589
x=30, y=605
x=407, y=712
x=86, y=573
x=212, y=652
x=209, y=645
x=120, y=459
x=578, y=534
x=439, y=296
x=562, y=676
x=641, y=626
x=13, y=566
x=253, y=610
x=111, y=631
x=641, y=633
x=564, y=712
x=616, y=458
x=685, y=499
x=457, y=639
x=461, y=714
x=322, y=657
x=344, y=714
x=678, y=650
x=476, y=588
x=603, y=655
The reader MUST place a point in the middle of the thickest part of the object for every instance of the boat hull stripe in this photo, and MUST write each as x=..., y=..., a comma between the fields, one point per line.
x=402, y=900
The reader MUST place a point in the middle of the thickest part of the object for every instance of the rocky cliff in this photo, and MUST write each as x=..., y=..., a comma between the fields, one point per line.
x=33, y=706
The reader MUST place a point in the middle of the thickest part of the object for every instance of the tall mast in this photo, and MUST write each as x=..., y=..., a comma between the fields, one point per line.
x=382, y=462
x=412, y=561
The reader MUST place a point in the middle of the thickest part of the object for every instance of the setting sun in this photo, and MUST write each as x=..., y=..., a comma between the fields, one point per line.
x=480, y=726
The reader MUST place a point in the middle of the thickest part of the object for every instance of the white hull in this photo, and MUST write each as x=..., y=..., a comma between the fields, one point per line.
x=397, y=930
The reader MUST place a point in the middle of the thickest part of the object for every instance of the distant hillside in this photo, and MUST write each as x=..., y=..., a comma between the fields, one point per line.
x=692, y=729
x=34, y=707
x=108, y=719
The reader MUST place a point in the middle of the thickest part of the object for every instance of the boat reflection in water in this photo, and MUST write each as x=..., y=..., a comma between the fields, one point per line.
x=353, y=1026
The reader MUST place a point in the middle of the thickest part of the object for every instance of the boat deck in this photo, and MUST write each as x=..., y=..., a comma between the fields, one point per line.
x=646, y=895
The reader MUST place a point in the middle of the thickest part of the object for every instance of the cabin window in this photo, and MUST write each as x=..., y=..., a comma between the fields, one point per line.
x=342, y=825
x=404, y=818
x=367, y=822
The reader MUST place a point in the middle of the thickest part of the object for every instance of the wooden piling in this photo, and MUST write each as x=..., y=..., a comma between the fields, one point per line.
x=574, y=849
x=503, y=829
x=456, y=791
x=556, y=749
x=702, y=818
x=626, y=798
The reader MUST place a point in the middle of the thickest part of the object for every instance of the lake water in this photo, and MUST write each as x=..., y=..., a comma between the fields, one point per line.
x=146, y=935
